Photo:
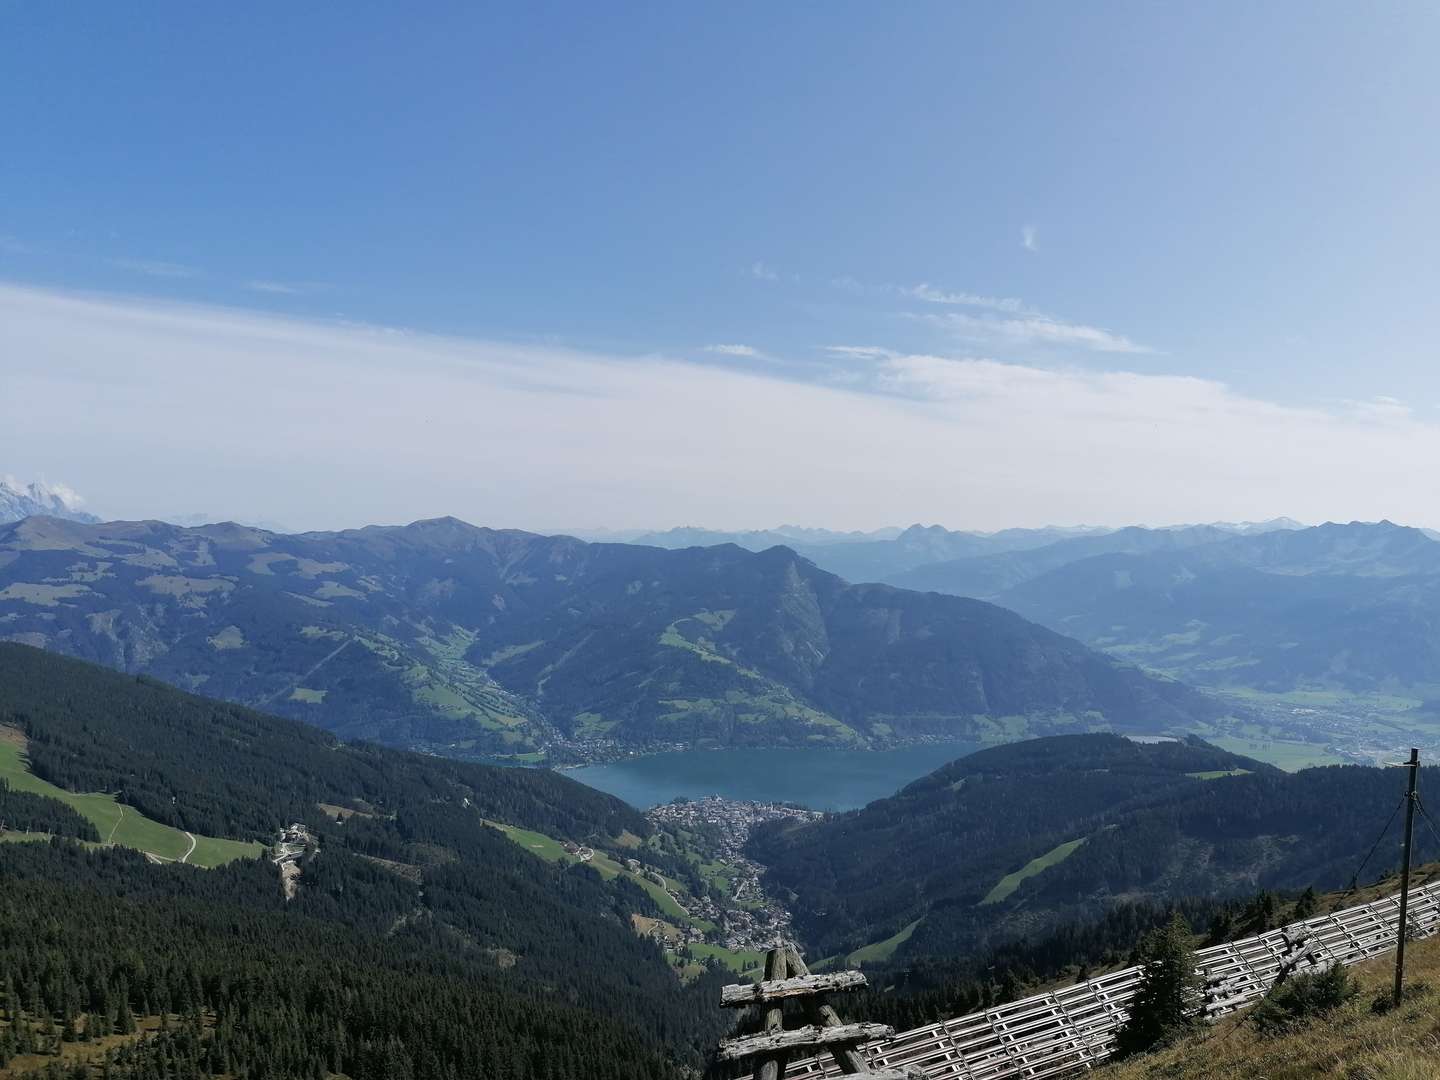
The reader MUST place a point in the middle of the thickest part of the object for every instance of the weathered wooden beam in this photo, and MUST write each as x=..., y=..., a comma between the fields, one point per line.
x=809, y=1036
x=818, y=1011
x=776, y=967
x=750, y=993
x=912, y=1072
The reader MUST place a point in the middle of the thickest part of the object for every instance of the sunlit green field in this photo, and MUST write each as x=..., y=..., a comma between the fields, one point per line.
x=120, y=824
x=549, y=848
x=1010, y=882
x=882, y=950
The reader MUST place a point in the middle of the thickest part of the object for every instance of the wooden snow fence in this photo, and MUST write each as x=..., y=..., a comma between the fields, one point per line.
x=1072, y=1029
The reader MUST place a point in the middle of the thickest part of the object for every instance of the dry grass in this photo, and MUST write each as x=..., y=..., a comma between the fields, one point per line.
x=1352, y=1043
x=91, y=1053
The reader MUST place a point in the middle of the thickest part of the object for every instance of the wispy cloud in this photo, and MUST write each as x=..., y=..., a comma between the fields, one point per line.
x=1032, y=331
x=570, y=434
x=155, y=268
x=1010, y=323
x=860, y=352
x=286, y=288
x=735, y=350
x=932, y=295
x=763, y=272
x=1027, y=237
x=1381, y=409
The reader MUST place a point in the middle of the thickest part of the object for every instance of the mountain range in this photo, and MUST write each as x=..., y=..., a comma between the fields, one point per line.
x=756, y=539
x=446, y=636
x=1338, y=606
x=886, y=555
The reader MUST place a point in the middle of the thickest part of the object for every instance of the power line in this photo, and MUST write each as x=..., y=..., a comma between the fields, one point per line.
x=1425, y=815
x=1355, y=878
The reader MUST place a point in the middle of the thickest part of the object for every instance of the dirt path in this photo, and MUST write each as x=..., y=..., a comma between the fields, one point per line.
x=192, y=847
x=111, y=838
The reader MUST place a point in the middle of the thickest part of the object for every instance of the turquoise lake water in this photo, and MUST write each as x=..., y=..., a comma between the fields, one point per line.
x=819, y=779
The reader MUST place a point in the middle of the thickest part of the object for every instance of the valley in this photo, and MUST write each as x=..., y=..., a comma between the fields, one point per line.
x=711, y=907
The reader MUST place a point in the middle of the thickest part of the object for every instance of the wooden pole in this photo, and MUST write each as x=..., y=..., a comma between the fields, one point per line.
x=848, y=1058
x=1414, y=766
x=773, y=1067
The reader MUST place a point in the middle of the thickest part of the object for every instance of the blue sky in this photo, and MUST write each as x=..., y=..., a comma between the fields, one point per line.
x=1076, y=220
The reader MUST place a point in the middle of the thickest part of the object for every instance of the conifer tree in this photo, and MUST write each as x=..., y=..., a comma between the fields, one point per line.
x=1166, y=1003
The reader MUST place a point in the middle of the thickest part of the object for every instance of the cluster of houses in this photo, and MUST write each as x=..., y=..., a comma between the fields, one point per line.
x=579, y=851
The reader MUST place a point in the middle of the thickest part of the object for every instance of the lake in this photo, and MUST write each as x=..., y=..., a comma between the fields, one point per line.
x=819, y=779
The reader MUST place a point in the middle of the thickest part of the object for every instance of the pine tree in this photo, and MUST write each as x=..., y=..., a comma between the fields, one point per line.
x=124, y=1018
x=1306, y=905
x=1165, y=1005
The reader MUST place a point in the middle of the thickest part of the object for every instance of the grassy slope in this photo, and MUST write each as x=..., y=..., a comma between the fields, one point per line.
x=882, y=950
x=117, y=823
x=734, y=959
x=1010, y=882
x=547, y=847
x=1353, y=1042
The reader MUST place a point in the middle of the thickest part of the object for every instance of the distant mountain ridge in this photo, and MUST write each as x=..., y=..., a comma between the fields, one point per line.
x=1349, y=606
x=888, y=555
x=469, y=640
x=755, y=539
x=21, y=501
x=991, y=574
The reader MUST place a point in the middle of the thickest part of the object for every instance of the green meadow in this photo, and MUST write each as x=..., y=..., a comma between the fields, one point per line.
x=118, y=823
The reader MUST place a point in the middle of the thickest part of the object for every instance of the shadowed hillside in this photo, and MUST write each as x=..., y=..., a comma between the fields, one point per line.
x=1018, y=838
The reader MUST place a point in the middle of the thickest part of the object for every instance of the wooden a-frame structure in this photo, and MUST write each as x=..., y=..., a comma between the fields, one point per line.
x=788, y=979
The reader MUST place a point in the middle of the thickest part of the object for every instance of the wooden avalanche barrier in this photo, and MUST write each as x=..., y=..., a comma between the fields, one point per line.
x=787, y=979
x=1072, y=1029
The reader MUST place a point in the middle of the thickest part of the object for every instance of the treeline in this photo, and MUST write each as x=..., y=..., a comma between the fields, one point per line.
x=24, y=811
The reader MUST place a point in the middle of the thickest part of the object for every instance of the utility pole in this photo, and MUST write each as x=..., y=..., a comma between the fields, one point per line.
x=1414, y=766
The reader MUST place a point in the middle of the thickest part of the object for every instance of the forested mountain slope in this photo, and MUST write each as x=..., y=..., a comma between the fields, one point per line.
x=211, y=766
x=412, y=899
x=442, y=635
x=1024, y=836
x=722, y=646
